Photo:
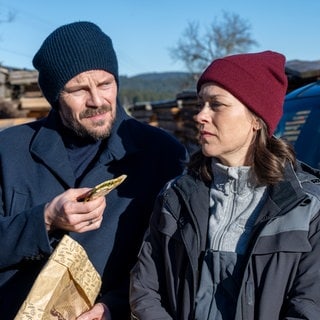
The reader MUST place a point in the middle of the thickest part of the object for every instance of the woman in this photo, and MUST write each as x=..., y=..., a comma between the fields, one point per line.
x=237, y=236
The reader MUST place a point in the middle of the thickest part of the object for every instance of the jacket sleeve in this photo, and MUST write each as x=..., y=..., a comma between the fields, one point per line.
x=146, y=301
x=304, y=298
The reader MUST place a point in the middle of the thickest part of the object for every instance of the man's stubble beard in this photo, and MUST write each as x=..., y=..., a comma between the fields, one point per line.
x=83, y=132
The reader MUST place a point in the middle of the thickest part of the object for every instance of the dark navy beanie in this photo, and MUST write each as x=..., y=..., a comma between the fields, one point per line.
x=69, y=50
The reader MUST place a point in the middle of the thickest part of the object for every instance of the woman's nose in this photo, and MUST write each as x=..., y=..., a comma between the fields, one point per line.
x=202, y=115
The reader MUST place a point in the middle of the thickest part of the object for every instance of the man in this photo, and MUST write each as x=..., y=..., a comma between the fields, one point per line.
x=47, y=165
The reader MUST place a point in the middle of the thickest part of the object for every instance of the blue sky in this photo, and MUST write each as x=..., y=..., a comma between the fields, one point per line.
x=144, y=30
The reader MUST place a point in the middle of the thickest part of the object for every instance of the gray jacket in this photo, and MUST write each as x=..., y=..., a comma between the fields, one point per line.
x=281, y=278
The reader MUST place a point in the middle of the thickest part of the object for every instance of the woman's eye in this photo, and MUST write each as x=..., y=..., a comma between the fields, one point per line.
x=215, y=105
x=199, y=106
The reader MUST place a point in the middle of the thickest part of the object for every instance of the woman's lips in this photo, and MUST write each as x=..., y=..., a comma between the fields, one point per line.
x=204, y=133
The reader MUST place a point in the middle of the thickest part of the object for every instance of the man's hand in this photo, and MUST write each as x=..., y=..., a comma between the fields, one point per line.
x=98, y=312
x=67, y=213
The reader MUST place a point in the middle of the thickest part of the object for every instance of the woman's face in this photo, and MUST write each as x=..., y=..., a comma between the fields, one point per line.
x=226, y=126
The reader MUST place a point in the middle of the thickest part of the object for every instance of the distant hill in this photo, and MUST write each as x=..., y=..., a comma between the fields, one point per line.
x=154, y=86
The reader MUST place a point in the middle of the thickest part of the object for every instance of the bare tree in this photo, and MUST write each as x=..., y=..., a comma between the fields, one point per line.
x=8, y=17
x=229, y=36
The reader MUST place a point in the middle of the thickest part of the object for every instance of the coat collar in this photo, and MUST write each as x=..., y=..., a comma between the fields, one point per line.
x=48, y=147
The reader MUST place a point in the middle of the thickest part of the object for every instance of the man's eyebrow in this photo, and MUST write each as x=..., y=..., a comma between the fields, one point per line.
x=77, y=85
x=74, y=87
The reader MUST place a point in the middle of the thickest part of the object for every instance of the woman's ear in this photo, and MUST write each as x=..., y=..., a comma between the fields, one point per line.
x=256, y=124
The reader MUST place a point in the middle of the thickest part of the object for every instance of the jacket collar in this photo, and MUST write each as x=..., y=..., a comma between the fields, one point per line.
x=282, y=197
x=286, y=194
x=195, y=194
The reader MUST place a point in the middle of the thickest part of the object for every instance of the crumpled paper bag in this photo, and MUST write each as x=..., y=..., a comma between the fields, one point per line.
x=66, y=287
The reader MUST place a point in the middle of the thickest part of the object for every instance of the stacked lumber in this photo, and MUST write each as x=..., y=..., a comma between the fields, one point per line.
x=187, y=132
x=142, y=111
x=165, y=114
x=6, y=123
x=36, y=107
x=23, y=77
x=174, y=116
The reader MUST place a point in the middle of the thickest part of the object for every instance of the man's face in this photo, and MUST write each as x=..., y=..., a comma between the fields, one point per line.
x=87, y=104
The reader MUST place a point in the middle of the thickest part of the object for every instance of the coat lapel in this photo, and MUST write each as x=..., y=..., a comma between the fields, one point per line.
x=47, y=147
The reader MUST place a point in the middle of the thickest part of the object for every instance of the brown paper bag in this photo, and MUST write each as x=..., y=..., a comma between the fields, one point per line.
x=66, y=287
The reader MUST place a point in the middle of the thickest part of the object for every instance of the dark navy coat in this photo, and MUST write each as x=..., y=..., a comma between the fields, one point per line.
x=34, y=168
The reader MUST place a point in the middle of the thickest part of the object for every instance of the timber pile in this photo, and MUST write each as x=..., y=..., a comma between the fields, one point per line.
x=174, y=116
x=187, y=132
x=35, y=107
x=143, y=112
x=30, y=98
x=7, y=123
x=165, y=115
x=20, y=98
x=23, y=77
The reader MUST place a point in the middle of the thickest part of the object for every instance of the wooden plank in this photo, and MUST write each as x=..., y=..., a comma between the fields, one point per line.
x=34, y=103
x=6, y=123
x=23, y=77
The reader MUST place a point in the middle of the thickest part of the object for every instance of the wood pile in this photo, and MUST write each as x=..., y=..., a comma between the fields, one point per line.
x=36, y=107
x=23, y=77
x=187, y=132
x=174, y=116
x=7, y=123
x=20, y=87
x=143, y=112
x=165, y=115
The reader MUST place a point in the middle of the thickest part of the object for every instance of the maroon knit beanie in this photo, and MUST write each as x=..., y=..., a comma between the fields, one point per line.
x=258, y=80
